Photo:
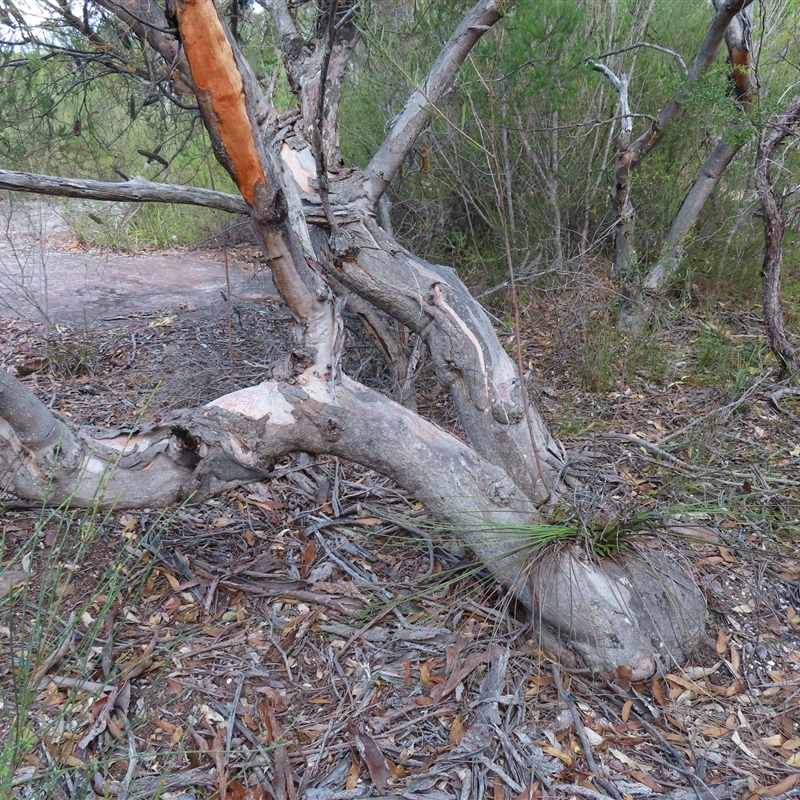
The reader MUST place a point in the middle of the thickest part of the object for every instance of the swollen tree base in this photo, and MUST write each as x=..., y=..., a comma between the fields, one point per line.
x=636, y=610
x=641, y=613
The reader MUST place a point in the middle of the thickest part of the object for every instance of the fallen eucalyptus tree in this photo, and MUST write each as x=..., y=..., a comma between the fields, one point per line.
x=316, y=223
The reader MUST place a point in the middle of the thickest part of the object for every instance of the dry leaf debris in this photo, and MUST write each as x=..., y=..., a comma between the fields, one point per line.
x=290, y=640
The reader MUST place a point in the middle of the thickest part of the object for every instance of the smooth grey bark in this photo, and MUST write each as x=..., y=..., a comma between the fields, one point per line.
x=311, y=226
x=671, y=257
x=774, y=229
x=621, y=205
x=467, y=356
x=607, y=614
x=42, y=459
x=416, y=114
x=134, y=190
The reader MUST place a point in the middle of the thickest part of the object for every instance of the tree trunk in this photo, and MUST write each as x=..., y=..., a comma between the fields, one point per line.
x=774, y=228
x=672, y=253
x=316, y=225
x=622, y=232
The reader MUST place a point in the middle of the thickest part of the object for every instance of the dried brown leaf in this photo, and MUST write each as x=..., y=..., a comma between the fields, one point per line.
x=397, y=771
x=473, y=661
x=372, y=756
x=658, y=693
x=626, y=710
x=715, y=731
x=457, y=730
x=498, y=791
x=352, y=775
x=532, y=792
x=564, y=757
x=645, y=779
x=780, y=788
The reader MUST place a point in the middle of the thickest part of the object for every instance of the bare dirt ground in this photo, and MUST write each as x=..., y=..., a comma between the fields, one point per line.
x=47, y=275
x=315, y=636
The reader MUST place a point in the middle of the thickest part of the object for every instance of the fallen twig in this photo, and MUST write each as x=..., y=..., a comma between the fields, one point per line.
x=587, y=747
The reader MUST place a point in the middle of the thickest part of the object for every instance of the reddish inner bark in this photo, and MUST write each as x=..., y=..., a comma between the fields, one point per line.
x=215, y=71
x=740, y=61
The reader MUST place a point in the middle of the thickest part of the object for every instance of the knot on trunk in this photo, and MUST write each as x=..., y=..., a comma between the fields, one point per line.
x=507, y=406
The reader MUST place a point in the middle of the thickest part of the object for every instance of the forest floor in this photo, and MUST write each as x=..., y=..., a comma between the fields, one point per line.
x=317, y=636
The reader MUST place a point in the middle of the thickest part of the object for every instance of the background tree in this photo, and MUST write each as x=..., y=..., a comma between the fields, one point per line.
x=738, y=39
x=631, y=153
x=774, y=230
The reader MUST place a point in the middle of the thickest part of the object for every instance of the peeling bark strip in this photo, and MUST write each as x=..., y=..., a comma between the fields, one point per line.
x=217, y=75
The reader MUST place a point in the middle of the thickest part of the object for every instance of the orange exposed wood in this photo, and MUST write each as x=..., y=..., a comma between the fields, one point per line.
x=215, y=71
x=740, y=61
x=425, y=159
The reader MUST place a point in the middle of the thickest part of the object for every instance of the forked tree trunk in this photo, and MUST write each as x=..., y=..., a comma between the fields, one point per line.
x=621, y=205
x=774, y=228
x=316, y=222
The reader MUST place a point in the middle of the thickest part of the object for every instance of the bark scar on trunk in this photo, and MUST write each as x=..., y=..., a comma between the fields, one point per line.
x=479, y=396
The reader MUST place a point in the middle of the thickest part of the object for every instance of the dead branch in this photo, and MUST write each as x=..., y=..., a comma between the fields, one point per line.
x=134, y=190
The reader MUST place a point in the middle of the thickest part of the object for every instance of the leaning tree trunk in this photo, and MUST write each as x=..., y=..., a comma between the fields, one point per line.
x=774, y=228
x=316, y=224
x=739, y=42
x=671, y=257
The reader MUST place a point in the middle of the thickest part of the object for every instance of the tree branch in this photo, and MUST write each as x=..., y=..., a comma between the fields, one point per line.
x=708, y=51
x=652, y=46
x=774, y=229
x=238, y=437
x=620, y=84
x=136, y=190
x=416, y=115
x=44, y=460
x=316, y=123
x=288, y=30
x=234, y=111
x=738, y=37
x=147, y=20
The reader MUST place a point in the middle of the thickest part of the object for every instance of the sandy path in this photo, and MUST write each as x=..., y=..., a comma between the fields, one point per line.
x=45, y=276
